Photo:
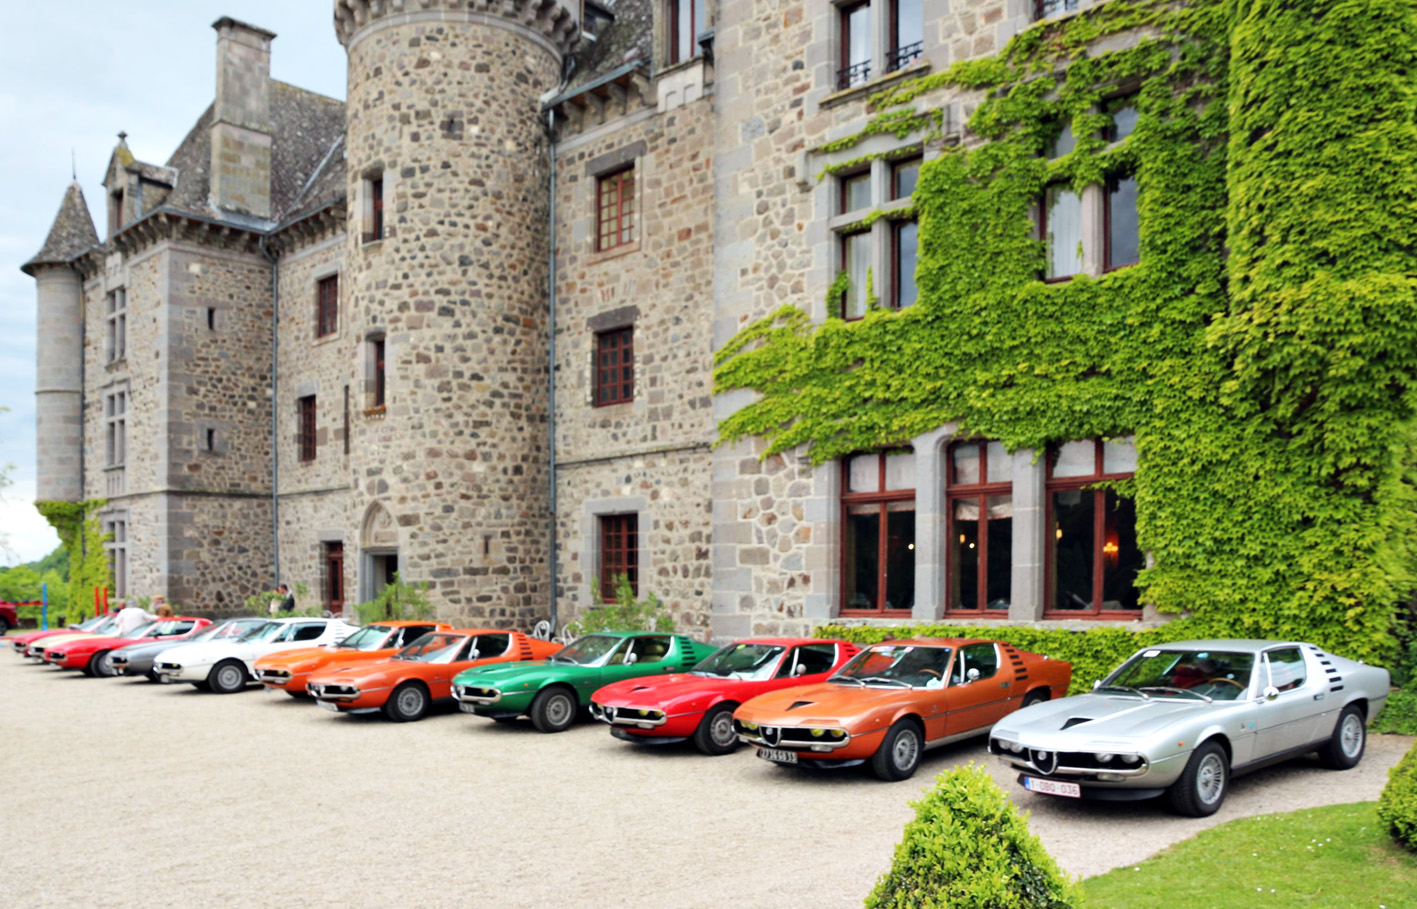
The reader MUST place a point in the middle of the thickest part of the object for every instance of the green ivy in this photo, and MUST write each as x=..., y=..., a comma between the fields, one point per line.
x=82, y=538
x=1263, y=353
x=1397, y=806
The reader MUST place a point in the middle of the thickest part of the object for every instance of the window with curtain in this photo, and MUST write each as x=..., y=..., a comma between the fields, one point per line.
x=1060, y=228
x=979, y=528
x=1092, y=554
x=878, y=534
x=855, y=65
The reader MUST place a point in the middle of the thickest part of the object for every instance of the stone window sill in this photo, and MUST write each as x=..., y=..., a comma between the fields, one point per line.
x=606, y=255
x=376, y=413
x=866, y=89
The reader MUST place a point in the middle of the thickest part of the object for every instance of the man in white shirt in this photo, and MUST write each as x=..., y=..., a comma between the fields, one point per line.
x=131, y=618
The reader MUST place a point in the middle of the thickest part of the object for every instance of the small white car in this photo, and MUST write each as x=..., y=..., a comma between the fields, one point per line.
x=225, y=666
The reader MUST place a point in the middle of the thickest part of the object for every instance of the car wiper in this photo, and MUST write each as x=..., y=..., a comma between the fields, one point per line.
x=881, y=678
x=847, y=678
x=1126, y=688
x=1197, y=694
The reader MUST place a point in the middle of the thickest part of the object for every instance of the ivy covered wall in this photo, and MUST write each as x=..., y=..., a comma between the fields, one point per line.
x=1264, y=351
x=82, y=538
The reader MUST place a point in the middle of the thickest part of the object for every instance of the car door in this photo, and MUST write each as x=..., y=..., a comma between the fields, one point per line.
x=805, y=664
x=980, y=702
x=1289, y=719
x=440, y=675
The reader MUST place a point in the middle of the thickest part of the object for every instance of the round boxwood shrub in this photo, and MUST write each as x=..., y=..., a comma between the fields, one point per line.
x=967, y=847
x=1397, y=806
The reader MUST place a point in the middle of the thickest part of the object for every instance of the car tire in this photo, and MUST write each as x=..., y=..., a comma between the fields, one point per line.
x=715, y=734
x=1202, y=786
x=227, y=677
x=4, y=627
x=407, y=703
x=203, y=685
x=554, y=709
x=1035, y=697
x=152, y=676
x=504, y=719
x=1350, y=738
x=899, y=753
x=101, y=665
x=299, y=695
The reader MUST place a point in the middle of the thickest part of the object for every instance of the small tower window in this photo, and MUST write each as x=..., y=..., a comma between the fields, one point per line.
x=327, y=306
x=615, y=194
x=116, y=340
x=615, y=366
x=307, y=428
x=374, y=208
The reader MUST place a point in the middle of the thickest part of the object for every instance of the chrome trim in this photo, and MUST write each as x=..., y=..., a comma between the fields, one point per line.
x=1025, y=761
x=460, y=692
x=629, y=716
x=325, y=692
x=768, y=736
x=273, y=676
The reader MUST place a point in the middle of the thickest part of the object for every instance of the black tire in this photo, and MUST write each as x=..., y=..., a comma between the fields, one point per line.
x=1201, y=789
x=554, y=709
x=408, y=703
x=202, y=685
x=715, y=734
x=899, y=753
x=1037, y=696
x=227, y=677
x=1349, y=740
x=299, y=695
x=4, y=627
x=101, y=665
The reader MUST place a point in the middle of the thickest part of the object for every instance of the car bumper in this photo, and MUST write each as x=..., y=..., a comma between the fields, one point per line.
x=499, y=705
x=1094, y=777
x=184, y=673
x=132, y=666
x=853, y=748
x=68, y=660
x=293, y=683
x=646, y=720
x=360, y=701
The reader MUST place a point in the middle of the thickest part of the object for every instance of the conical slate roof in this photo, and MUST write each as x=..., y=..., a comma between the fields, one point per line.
x=72, y=234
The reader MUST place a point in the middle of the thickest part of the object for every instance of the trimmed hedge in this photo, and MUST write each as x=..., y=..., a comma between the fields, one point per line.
x=967, y=847
x=1397, y=806
x=1400, y=714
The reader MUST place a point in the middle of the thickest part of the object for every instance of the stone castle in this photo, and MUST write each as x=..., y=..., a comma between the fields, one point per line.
x=461, y=326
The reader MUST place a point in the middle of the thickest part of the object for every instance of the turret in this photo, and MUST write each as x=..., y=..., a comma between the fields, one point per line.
x=448, y=163
x=59, y=378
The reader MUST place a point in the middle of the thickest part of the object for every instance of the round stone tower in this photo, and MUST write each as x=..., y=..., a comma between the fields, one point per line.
x=446, y=287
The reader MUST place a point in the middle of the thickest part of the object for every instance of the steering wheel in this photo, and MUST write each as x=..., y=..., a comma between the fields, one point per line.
x=1227, y=681
x=930, y=672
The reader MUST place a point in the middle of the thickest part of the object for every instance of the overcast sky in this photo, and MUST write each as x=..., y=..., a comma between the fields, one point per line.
x=74, y=73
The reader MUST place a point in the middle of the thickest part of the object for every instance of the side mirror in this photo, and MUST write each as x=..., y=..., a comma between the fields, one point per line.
x=631, y=657
x=971, y=675
x=475, y=654
x=1270, y=693
x=799, y=669
x=1096, y=684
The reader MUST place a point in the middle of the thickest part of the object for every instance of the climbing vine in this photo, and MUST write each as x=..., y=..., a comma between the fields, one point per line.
x=82, y=538
x=1263, y=353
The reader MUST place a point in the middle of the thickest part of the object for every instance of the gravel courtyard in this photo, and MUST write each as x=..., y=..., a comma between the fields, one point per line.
x=121, y=792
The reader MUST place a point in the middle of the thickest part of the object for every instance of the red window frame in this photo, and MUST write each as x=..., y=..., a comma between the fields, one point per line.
x=897, y=278
x=380, y=383
x=376, y=191
x=615, y=366
x=981, y=491
x=327, y=306
x=846, y=73
x=884, y=499
x=677, y=9
x=615, y=209
x=334, y=576
x=307, y=428
x=1099, y=537
x=1108, y=189
x=619, y=553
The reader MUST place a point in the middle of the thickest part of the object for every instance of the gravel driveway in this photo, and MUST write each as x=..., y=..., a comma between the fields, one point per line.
x=258, y=799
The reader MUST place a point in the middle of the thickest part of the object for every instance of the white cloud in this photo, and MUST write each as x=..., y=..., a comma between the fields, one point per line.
x=28, y=535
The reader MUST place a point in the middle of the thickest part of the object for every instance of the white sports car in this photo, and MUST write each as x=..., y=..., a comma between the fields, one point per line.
x=1179, y=719
x=225, y=666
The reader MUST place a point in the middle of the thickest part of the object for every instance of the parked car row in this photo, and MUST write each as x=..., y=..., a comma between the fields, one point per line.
x=1177, y=719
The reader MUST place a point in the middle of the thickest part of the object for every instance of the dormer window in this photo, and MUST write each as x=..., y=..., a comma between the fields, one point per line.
x=115, y=212
x=686, y=18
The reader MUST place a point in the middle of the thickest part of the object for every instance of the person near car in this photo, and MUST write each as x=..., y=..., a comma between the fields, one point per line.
x=164, y=611
x=284, y=600
x=132, y=617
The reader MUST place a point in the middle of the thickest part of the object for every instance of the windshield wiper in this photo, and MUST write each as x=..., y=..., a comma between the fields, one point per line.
x=847, y=678
x=881, y=678
x=1126, y=688
x=1197, y=694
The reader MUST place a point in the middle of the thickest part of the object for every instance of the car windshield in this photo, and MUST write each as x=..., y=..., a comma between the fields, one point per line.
x=166, y=627
x=896, y=666
x=90, y=624
x=144, y=631
x=105, y=625
x=434, y=647
x=226, y=630
x=1209, y=675
x=588, y=650
x=262, y=633
x=370, y=637
x=741, y=661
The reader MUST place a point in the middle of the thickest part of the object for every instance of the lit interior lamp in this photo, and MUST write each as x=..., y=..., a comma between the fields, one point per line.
x=910, y=546
x=1059, y=533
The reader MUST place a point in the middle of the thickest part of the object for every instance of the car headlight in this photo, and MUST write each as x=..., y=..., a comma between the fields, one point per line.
x=1131, y=759
x=1105, y=757
x=751, y=727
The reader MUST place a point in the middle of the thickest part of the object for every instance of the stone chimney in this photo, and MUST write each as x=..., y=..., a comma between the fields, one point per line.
x=241, y=119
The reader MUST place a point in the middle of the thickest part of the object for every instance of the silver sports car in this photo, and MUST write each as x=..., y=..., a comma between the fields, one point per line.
x=1181, y=718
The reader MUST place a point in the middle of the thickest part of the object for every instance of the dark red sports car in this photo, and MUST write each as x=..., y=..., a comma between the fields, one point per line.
x=699, y=704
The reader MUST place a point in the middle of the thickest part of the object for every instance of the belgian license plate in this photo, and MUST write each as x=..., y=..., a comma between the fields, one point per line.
x=467, y=708
x=328, y=705
x=1052, y=787
x=777, y=755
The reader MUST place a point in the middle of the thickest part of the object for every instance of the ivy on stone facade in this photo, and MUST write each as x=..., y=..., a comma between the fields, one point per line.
x=82, y=538
x=1263, y=353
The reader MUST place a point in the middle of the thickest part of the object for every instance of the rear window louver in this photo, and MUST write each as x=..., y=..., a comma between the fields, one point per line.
x=1334, y=679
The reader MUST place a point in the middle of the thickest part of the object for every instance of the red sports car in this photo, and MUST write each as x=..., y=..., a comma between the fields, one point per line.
x=699, y=704
x=21, y=642
x=92, y=654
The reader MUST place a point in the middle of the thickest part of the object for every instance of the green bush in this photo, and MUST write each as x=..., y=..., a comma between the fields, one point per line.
x=1400, y=714
x=967, y=847
x=1397, y=806
x=397, y=601
x=627, y=613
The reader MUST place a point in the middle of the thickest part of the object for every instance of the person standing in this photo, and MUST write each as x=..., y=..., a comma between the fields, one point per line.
x=132, y=617
x=164, y=611
x=287, y=599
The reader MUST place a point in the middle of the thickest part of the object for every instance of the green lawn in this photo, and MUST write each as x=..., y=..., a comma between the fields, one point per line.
x=1337, y=856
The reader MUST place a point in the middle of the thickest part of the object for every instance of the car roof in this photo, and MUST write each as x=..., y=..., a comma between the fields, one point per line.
x=631, y=634
x=937, y=642
x=1243, y=645
x=787, y=642
x=403, y=623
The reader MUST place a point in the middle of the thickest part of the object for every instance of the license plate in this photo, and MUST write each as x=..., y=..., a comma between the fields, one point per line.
x=328, y=705
x=777, y=755
x=1052, y=787
x=467, y=708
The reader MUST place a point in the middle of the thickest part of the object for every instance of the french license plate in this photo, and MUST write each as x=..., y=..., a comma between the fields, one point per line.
x=328, y=705
x=467, y=708
x=1052, y=787
x=777, y=755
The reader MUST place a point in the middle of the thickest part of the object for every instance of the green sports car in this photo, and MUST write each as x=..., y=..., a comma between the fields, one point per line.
x=552, y=691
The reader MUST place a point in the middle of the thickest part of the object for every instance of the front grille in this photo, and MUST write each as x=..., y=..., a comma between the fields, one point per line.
x=334, y=692
x=633, y=716
x=118, y=660
x=167, y=667
x=476, y=695
x=799, y=737
x=273, y=675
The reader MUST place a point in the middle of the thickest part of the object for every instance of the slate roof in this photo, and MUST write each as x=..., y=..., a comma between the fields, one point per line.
x=71, y=236
x=305, y=128
x=626, y=40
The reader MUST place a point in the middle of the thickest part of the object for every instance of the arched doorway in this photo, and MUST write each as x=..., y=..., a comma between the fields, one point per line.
x=378, y=551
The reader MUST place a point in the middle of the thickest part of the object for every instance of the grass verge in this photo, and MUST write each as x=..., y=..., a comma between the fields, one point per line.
x=1335, y=856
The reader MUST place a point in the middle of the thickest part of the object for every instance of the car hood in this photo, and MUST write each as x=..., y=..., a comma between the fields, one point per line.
x=827, y=703
x=301, y=659
x=1088, y=717
x=67, y=636
x=680, y=691
x=504, y=675
x=211, y=651
x=144, y=649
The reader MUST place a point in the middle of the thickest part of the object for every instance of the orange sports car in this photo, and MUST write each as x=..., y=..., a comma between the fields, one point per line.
x=405, y=685
x=288, y=670
x=896, y=699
